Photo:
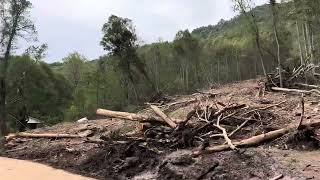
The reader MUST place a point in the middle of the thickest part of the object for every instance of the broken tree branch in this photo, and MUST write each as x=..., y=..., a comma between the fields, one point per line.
x=228, y=108
x=225, y=134
x=163, y=116
x=238, y=128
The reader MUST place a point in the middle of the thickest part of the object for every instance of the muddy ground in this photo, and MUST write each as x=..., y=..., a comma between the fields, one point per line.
x=294, y=156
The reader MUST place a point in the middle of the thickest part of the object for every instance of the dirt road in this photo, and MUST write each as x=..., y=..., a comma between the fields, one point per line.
x=25, y=170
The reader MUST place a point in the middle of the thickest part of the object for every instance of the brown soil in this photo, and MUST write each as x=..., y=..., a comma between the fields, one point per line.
x=24, y=170
x=295, y=155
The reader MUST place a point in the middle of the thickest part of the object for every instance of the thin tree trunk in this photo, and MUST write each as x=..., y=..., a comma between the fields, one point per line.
x=98, y=87
x=305, y=36
x=275, y=31
x=257, y=34
x=227, y=68
x=255, y=28
x=311, y=43
x=255, y=69
x=299, y=43
x=238, y=67
x=219, y=71
x=187, y=77
x=157, y=74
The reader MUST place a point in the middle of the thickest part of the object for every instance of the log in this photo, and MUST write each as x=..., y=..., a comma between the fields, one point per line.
x=164, y=116
x=313, y=91
x=128, y=116
x=308, y=85
x=291, y=90
x=46, y=135
x=255, y=140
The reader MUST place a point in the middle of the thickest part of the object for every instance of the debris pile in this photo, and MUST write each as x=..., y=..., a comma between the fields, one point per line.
x=141, y=145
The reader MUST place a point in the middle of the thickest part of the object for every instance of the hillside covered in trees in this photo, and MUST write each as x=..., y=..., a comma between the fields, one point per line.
x=130, y=74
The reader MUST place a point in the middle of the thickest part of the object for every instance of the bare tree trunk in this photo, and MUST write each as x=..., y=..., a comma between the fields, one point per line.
x=255, y=69
x=252, y=19
x=311, y=43
x=261, y=55
x=305, y=36
x=157, y=73
x=219, y=71
x=238, y=67
x=227, y=68
x=257, y=34
x=187, y=77
x=308, y=39
x=275, y=31
x=97, y=88
x=211, y=72
x=299, y=43
x=278, y=56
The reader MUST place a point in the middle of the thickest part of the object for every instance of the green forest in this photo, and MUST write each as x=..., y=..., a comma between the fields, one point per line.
x=268, y=39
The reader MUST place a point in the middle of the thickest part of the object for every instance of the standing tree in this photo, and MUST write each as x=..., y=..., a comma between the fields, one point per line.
x=120, y=40
x=74, y=64
x=14, y=23
x=245, y=7
x=276, y=34
x=37, y=52
x=188, y=50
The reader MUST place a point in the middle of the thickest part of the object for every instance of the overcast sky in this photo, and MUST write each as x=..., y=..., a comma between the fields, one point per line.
x=75, y=25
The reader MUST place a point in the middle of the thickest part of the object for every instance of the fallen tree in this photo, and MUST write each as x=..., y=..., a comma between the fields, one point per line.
x=49, y=135
x=161, y=118
x=128, y=116
x=307, y=92
x=256, y=140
